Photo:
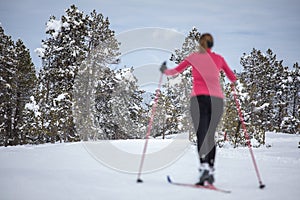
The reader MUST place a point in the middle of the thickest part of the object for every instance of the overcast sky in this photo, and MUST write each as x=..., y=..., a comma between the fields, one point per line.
x=237, y=25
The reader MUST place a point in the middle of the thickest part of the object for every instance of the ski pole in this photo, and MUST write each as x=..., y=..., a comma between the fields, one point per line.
x=139, y=180
x=261, y=185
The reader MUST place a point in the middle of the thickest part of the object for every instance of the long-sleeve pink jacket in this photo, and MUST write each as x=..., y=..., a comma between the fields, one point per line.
x=206, y=69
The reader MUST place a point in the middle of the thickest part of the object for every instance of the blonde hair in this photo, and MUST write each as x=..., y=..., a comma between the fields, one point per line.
x=206, y=41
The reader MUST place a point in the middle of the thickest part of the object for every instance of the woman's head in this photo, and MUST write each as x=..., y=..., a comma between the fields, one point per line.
x=206, y=42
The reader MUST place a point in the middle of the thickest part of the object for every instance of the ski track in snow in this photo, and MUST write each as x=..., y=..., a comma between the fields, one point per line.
x=67, y=171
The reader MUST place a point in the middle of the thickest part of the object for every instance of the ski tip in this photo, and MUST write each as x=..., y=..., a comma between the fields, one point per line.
x=169, y=179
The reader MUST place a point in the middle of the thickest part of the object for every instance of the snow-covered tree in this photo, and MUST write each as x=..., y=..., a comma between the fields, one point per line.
x=295, y=99
x=178, y=90
x=32, y=117
x=258, y=76
x=231, y=123
x=17, y=81
x=102, y=50
x=179, y=87
x=280, y=102
x=75, y=55
x=272, y=91
x=127, y=105
x=25, y=82
x=166, y=120
x=286, y=101
x=191, y=44
x=119, y=112
x=62, y=54
x=104, y=116
x=7, y=87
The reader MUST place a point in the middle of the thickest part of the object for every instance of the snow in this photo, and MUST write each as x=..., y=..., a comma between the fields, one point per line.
x=61, y=97
x=54, y=25
x=175, y=81
x=68, y=171
x=241, y=91
x=40, y=52
x=33, y=106
x=261, y=107
x=125, y=73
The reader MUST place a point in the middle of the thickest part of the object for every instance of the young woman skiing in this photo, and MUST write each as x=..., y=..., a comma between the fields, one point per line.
x=206, y=100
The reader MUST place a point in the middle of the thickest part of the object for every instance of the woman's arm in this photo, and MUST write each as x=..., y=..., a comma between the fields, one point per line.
x=180, y=68
x=229, y=73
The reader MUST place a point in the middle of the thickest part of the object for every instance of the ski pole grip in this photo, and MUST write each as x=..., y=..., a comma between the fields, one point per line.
x=163, y=67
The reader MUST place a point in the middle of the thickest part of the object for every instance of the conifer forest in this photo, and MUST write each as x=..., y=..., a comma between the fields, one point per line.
x=75, y=95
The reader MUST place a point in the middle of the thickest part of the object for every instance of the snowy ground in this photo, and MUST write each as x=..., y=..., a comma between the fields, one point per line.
x=68, y=171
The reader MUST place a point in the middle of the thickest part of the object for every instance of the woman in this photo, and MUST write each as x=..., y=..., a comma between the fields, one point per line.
x=206, y=100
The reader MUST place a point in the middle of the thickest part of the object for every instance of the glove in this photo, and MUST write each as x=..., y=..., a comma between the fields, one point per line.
x=163, y=67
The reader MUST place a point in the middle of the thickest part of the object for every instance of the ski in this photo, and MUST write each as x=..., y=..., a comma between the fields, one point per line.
x=209, y=187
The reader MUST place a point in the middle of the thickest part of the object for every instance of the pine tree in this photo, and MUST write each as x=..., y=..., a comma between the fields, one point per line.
x=166, y=120
x=287, y=100
x=159, y=126
x=104, y=116
x=63, y=52
x=280, y=101
x=258, y=76
x=32, y=119
x=272, y=91
x=191, y=44
x=25, y=82
x=295, y=99
x=180, y=86
x=127, y=105
x=102, y=50
x=119, y=113
x=17, y=83
x=230, y=121
x=231, y=124
x=7, y=88
x=75, y=57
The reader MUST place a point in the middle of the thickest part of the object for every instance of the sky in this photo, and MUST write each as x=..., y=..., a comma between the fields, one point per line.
x=237, y=26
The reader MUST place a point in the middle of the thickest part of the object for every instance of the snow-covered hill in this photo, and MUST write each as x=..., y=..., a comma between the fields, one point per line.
x=68, y=171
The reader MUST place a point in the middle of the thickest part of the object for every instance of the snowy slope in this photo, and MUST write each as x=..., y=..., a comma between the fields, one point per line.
x=68, y=171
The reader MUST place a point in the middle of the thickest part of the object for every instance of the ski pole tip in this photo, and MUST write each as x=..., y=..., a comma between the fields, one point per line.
x=139, y=180
x=262, y=186
x=169, y=179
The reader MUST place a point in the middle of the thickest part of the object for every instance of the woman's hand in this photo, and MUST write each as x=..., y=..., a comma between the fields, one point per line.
x=163, y=67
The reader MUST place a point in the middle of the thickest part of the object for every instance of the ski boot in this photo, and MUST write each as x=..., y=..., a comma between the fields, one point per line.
x=206, y=175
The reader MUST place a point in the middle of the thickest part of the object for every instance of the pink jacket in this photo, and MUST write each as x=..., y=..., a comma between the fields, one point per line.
x=206, y=69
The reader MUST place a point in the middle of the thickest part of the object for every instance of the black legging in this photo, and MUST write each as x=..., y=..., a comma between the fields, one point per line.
x=206, y=114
